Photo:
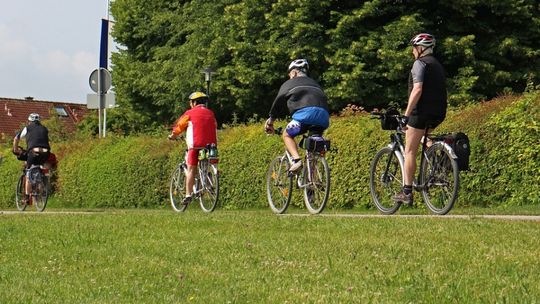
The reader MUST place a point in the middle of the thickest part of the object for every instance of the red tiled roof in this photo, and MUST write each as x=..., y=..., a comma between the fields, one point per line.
x=14, y=114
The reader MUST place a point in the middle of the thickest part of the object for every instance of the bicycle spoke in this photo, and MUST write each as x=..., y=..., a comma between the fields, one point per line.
x=440, y=178
x=177, y=188
x=279, y=185
x=385, y=180
x=209, y=187
x=317, y=179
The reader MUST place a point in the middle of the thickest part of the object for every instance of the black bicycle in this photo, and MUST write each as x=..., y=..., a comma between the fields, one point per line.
x=313, y=178
x=438, y=175
x=38, y=177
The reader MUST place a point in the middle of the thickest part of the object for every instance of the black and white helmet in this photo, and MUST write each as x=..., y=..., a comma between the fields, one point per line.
x=33, y=117
x=299, y=64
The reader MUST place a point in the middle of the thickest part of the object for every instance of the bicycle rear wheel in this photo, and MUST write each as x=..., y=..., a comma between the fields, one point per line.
x=19, y=195
x=317, y=188
x=208, y=173
x=40, y=193
x=386, y=180
x=177, y=188
x=439, y=178
x=279, y=184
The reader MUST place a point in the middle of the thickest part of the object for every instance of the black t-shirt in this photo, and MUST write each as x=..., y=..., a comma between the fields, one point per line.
x=37, y=136
x=433, y=100
x=299, y=92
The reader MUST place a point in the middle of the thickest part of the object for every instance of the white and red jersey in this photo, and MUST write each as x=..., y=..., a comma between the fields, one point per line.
x=200, y=126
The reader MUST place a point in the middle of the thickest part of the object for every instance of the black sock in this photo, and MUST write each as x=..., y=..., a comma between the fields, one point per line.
x=407, y=189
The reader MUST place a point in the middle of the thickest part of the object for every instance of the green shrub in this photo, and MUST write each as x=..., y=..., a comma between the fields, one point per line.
x=116, y=172
x=135, y=171
x=10, y=170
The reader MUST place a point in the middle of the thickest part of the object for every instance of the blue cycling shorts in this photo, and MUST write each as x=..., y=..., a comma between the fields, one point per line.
x=308, y=118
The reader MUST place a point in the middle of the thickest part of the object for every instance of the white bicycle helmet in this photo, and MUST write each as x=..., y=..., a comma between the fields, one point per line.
x=33, y=117
x=299, y=64
x=423, y=39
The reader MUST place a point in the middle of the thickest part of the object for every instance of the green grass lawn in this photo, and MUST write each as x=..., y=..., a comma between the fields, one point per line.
x=158, y=256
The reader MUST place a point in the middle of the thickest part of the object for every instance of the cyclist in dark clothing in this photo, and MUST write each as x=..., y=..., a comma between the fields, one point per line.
x=307, y=103
x=37, y=141
x=426, y=106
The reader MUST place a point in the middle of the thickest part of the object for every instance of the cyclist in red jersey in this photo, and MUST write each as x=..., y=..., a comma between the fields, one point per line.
x=200, y=126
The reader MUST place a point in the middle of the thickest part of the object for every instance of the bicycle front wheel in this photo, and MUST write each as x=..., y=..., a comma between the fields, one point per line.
x=279, y=184
x=386, y=180
x=210, y=192
x=41, y=193
x=317, y=189
x=439, y=178
x=177, y=188
x=19, y=195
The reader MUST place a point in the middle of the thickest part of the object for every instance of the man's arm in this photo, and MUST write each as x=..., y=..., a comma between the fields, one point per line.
x=180, y=126
x=414, y=97
x=17, y=139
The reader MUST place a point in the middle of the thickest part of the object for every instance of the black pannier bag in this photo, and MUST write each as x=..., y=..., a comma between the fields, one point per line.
x=387, y=122
x=460, y=144
x=316, y=144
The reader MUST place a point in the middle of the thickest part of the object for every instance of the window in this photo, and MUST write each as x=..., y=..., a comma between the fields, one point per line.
x=61, y=111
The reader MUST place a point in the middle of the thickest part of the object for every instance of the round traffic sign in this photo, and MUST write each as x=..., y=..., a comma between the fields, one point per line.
x=106, y=80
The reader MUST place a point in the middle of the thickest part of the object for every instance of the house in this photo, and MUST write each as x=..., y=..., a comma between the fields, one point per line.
x=14, y=114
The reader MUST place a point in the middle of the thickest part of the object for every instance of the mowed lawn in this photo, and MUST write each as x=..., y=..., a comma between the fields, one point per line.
x=256, y=257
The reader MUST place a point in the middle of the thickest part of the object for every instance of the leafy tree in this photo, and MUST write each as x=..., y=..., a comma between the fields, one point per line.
x=358, y=50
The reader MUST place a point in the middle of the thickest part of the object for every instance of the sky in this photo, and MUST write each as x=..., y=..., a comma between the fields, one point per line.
x=48, y=48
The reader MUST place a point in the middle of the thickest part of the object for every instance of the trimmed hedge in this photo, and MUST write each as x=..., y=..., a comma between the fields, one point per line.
x=134, y=171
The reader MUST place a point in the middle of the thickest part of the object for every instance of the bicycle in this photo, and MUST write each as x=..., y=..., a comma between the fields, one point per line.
x=313, y=178
x=206, y=187
x=38, y=176
x=438, y=174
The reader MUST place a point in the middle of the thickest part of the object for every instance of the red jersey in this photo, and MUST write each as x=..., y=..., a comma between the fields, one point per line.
x=200, y=126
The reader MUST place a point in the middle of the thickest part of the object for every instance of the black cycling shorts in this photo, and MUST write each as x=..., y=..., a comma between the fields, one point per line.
x=420, y=121
x=36, y=158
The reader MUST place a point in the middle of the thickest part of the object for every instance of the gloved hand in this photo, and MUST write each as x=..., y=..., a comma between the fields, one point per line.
x=405, y=120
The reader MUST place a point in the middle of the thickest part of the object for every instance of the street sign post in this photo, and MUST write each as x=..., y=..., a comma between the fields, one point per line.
x=100, y=82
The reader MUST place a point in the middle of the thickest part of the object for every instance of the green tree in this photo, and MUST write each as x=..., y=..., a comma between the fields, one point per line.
x=358, y=50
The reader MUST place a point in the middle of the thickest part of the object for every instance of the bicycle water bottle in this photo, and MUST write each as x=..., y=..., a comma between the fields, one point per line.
x=202, y=154
x=213, y=152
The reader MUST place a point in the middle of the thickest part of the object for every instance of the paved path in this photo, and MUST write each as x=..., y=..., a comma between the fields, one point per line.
x=535, y=218
x=449, y=216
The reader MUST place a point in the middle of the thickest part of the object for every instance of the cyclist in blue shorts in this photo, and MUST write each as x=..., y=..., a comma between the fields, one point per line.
x=308, y=105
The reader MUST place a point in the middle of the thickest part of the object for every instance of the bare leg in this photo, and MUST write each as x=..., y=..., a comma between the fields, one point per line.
x=290, y=143
x=190, y=179
x=27, y=186
x=412, y=141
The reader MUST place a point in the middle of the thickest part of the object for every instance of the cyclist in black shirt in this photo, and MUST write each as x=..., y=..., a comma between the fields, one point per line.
x=426, y=105
x=37, y=141
x=307, y=103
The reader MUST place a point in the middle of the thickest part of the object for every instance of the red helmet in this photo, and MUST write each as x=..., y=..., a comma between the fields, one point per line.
x=423, y=39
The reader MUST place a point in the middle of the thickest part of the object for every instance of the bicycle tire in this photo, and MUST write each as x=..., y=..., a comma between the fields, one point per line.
x=19, y=194
x=177, y=188
x=386, y=180
x=439, y=178
x=40, y=193
x=279, y=184
x=317, y=189
x=210, y=194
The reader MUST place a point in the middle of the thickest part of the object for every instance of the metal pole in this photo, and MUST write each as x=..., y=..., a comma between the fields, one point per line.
x=100, y=100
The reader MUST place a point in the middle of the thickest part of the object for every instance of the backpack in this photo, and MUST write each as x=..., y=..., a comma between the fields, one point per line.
x=460, y=144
